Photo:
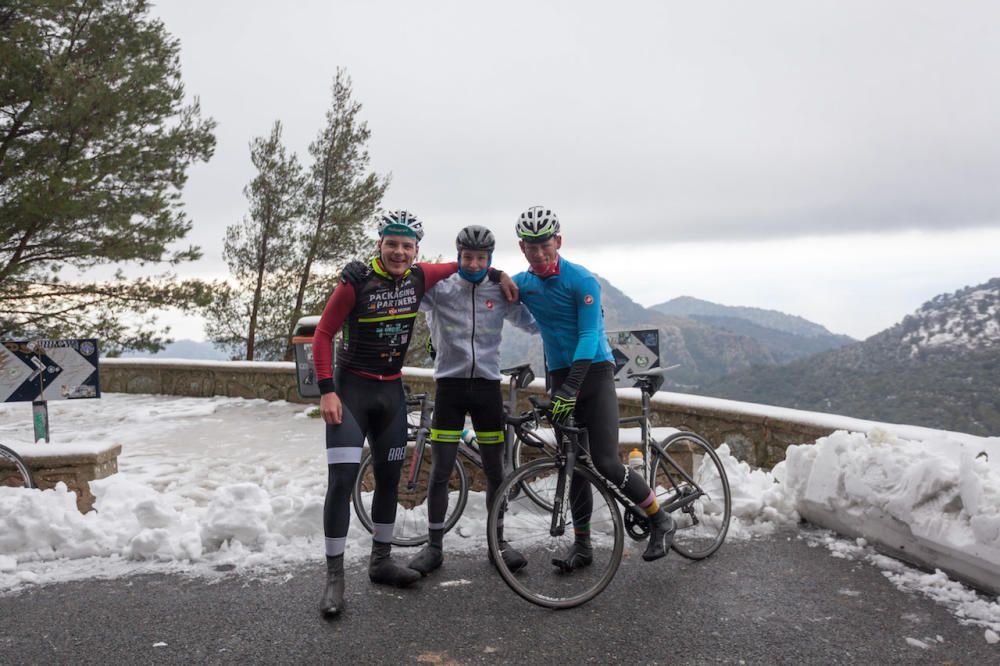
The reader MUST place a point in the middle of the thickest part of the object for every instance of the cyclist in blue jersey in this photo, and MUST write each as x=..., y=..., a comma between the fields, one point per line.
x=565, y=299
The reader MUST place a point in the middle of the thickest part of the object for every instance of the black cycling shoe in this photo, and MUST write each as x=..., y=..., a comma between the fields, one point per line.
x=513, y=560
x=382, y=570
x=661, y=535
x=333, y=596
x=427, y=560
x=579, y=555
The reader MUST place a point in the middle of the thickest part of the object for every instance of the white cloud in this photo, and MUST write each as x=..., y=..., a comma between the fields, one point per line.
x=719, y=125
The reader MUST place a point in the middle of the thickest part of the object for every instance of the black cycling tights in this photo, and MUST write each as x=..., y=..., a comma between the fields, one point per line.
x=441, y=473
x=375, y=410
x=453, y=399
x=597, y=409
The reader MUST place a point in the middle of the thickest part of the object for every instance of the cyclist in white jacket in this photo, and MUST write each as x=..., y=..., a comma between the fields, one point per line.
x=465, y=313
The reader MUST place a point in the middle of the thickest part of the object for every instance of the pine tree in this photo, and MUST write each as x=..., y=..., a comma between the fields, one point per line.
x=252, y=318
x=342, y=195
x=95, y=143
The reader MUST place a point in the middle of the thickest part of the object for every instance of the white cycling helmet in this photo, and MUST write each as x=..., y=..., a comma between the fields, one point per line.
x=399, y=223
x=537, y=225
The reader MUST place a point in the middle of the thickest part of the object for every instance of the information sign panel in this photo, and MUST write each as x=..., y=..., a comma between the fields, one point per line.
x=37, y=370
x=634, y=351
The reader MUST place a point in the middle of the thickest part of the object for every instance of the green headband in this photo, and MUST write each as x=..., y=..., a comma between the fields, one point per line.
x=398, y=230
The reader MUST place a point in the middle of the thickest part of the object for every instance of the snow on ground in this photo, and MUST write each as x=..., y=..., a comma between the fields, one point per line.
x=210, y=486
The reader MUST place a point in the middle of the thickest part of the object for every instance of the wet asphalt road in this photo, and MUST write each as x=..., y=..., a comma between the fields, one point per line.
x=770, y=601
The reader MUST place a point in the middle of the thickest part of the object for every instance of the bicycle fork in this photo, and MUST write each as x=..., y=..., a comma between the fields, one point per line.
x=564, y=482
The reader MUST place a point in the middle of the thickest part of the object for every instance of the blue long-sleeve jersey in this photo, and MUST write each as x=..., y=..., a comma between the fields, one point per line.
x=567, y=309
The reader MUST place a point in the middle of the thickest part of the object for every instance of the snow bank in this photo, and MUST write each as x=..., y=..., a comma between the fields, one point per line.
x=934, y=502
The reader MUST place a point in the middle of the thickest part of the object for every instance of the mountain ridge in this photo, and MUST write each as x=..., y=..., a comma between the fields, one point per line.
x=775, y=319
x=938, y=367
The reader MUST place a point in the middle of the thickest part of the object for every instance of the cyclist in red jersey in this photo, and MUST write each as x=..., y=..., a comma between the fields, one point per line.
x=373, y=307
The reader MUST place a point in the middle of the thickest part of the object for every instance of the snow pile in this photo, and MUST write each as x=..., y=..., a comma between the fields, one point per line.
x=759, y=500
x=203, y=484
x=937, y=501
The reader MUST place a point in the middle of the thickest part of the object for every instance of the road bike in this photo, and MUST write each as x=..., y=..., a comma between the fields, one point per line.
x=690, y=483
x=410, y=527
x=648, y=383
x=13, y=470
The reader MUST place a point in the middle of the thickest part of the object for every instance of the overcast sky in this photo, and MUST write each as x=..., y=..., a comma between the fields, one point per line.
x=835, y=160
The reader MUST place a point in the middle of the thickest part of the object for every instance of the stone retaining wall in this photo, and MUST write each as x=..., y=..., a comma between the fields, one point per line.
x=200, y=379
x=756, y=436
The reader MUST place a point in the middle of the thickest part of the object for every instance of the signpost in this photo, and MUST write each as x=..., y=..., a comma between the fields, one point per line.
x=634, y=351
x=43, y=370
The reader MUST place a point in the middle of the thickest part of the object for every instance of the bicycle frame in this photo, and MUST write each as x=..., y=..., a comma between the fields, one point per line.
x=421, y=433
x=577, y=451
x=644, y=429
x=647, y=442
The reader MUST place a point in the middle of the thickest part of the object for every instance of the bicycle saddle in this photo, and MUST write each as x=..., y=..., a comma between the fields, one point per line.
x=522, y=374
x=651, y=380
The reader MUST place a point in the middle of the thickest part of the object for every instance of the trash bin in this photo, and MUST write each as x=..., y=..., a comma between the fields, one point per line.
x=302, y=340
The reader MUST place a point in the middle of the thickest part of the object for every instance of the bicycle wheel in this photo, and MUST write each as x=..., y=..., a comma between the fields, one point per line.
x=410, y=528
x=13, y=470
x=703, y=523
x=526, y=527
x=523, y=454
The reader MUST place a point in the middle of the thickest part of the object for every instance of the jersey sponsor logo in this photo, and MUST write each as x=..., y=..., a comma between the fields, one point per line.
x=588, y=299
x=489, y=303
x=391, y=331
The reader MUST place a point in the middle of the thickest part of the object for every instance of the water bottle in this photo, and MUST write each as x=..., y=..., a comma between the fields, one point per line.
x=636, y=462
x=469, y=437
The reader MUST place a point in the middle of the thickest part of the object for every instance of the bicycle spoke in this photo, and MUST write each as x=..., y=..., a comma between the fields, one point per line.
x=410, y=527
x=525, y=453
x=703, y=522
x=525, y=526
x=13, y=470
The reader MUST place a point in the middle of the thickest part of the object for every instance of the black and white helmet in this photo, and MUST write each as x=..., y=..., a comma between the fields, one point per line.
x=475, y=237
x=399, y=223
x=537, y=224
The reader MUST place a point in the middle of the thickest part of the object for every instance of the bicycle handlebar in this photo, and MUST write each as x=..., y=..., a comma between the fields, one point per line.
x=544, y=406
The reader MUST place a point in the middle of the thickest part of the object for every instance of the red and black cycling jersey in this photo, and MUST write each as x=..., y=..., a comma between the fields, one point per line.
x=376, y=316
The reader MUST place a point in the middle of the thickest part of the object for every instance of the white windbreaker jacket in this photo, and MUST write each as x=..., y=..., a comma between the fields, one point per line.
x=465, y=320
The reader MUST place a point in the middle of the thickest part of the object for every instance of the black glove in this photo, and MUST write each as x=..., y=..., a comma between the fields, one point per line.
x=355, y=272
x=564, y=397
